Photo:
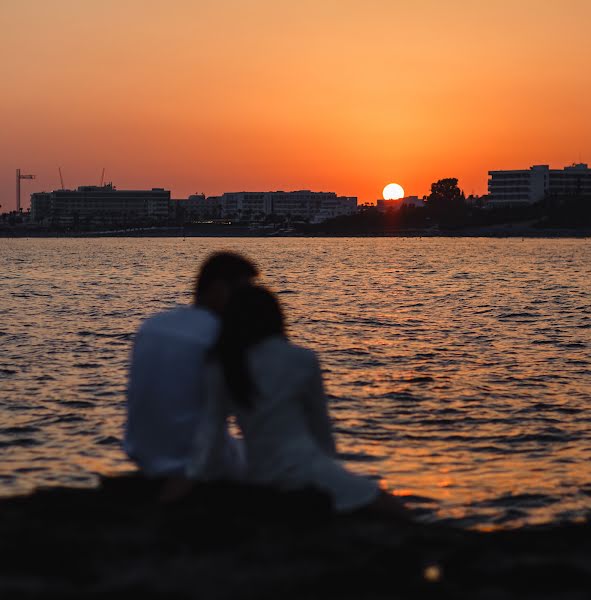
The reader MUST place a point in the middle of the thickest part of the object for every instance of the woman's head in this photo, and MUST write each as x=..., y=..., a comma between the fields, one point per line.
x=251, y=315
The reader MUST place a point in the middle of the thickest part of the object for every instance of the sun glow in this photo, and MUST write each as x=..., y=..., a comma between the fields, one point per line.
x=393, y=191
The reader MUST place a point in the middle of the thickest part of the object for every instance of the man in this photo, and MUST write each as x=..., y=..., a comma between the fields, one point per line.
x=164, y=393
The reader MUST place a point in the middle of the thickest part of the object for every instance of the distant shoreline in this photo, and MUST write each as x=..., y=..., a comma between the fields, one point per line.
x=329, y=229
x=485, y=232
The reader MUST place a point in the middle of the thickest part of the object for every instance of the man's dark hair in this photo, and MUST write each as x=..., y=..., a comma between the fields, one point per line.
x=228, y=267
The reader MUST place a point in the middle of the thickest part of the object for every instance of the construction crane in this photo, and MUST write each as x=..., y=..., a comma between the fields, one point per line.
x=61, y=178
x=20, y=176
x=102, y=177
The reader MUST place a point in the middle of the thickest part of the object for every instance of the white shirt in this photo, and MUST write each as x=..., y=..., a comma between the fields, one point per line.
x=164, y=398
x=287, y=431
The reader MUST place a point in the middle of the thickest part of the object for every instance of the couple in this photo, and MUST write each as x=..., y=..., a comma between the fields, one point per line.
x=228, y=354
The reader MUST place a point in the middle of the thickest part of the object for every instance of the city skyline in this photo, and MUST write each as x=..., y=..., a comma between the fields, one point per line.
x=577, y=169
x=346, y=96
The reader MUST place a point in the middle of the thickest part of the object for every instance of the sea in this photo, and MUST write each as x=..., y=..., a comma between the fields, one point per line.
x=458, y=370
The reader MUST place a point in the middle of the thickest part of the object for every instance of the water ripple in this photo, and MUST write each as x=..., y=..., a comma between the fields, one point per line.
x=457, y=370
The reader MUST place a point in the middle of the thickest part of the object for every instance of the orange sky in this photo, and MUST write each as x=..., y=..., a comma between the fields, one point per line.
x=340, y=95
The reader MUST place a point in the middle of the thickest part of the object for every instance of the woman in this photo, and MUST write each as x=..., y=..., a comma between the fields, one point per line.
x=275, y=390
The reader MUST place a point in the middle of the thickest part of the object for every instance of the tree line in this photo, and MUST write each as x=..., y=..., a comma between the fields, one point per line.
x=446, y=208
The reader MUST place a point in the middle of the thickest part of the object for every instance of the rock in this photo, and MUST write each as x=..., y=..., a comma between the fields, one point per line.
x=237, y=541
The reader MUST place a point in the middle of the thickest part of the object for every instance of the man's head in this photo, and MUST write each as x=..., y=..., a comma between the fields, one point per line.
x=219, y=276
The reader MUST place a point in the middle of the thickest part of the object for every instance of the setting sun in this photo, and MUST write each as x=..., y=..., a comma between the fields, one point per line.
x=393, y=191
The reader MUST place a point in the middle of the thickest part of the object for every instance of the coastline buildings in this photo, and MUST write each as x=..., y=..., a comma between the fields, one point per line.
x=528, y=186
x=197, y=207
x=106, y=205
x=297, y=205
x=92, y=206
x=335, y=206
x=103, y=205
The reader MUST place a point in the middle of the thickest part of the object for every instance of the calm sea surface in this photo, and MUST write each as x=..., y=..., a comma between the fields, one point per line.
x=458, y=369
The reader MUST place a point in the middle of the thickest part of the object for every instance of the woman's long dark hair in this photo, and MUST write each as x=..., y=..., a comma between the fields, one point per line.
x=252, y=314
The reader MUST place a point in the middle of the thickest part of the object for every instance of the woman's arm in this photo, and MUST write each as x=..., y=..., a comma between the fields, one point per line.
x=316, y=409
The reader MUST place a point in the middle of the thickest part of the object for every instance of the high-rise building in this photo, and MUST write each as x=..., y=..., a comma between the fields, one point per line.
x=299, y=205
x=528, y=186
x=100, y=205
x=245, y=205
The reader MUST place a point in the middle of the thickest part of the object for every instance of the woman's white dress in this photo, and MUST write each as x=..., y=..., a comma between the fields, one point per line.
x=287, y=433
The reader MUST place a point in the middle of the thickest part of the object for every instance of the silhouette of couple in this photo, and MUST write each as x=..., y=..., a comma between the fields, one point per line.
x=192, y=367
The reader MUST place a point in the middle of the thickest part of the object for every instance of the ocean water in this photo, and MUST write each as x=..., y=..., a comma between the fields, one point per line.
x=458, y=369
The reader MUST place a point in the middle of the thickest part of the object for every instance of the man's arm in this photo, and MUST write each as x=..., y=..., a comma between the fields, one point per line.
x=210, y=439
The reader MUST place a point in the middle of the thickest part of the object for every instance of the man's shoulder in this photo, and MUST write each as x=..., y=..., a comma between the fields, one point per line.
x=181, y=320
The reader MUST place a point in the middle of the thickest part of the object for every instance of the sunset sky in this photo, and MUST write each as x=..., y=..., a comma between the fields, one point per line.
x=335, y=95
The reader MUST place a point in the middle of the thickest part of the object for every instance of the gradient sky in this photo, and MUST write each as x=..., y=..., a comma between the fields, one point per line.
x=339, y=95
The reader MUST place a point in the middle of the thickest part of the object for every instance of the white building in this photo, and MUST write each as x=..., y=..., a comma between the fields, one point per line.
x=528, y=186
x=245, y=205
x=298, y=205
x=197, y=207
x=100, y=204
x=335, y=206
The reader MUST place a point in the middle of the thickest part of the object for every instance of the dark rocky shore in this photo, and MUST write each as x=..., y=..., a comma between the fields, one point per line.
x=238, y=542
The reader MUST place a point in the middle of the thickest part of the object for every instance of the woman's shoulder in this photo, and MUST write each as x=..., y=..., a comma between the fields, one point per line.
x=281, y=354
x=280, y=346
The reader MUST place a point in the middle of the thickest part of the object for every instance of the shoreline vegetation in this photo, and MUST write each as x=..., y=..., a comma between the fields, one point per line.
x=229, y=541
